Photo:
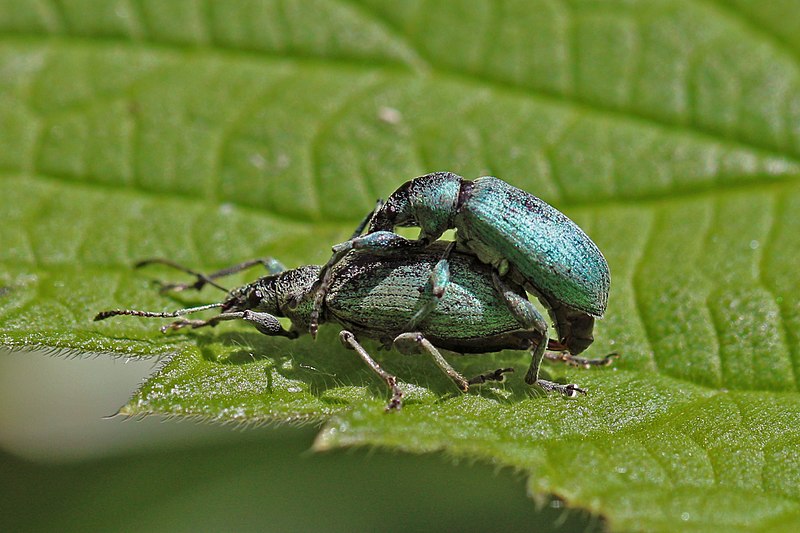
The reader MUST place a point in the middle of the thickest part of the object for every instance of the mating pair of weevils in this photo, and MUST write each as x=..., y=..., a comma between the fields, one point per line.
x=468, y=296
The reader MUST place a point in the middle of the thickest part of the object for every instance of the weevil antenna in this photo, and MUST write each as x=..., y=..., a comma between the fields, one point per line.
x=150, y=314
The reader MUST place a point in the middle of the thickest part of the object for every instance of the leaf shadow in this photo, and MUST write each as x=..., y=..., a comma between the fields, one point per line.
x=326, y=366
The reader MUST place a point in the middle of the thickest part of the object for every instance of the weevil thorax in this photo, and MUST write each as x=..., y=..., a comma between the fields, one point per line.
x=429, y=202
x=285, y=294
x=294, y=296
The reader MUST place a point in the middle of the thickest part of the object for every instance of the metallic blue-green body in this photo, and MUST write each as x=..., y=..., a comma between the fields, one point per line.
x=378, y=297
x=501, y=223
x=520, y=235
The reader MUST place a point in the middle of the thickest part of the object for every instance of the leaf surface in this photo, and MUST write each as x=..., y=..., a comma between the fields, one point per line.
x=212, y=133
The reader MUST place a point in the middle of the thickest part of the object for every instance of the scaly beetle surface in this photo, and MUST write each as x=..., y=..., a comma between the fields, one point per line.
x=524, y=238
x=415, y=302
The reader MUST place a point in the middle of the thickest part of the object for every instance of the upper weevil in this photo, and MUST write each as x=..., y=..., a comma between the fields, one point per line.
x=388, y=299
x=520, y=235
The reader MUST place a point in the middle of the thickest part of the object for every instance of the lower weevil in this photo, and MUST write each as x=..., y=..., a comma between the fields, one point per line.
x=458, y=305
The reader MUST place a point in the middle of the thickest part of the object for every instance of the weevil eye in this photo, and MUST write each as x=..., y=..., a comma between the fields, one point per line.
x=292, y=302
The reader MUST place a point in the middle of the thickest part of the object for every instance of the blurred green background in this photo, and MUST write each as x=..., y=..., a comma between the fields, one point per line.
x=67, y=468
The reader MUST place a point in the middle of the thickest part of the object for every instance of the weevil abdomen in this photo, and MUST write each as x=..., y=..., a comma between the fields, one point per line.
x=503, y=223
x=373, y=295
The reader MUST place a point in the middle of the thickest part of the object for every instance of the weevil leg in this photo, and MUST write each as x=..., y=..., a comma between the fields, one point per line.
x=530, y=318
x=582, y=362
x=380, y=242
x=433, y=290
x=537, y=354
x=498, y=375
x=263, y=322
x=532, y=377
x=363, y=224
x=570, y=390
x=409, y=343
x=523, y=310
x=396, y=401
x=202, y=279
x=273, y=266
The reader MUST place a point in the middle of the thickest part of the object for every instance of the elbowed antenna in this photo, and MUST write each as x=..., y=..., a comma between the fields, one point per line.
x=151, y=314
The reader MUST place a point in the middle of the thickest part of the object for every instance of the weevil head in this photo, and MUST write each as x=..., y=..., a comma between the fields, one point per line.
x=286, y=294
x=429, y=201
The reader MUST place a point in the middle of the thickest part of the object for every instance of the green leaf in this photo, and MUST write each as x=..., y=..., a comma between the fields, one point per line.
x=211, y=133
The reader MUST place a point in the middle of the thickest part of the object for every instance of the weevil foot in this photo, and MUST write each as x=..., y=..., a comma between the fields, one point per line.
x=184, y=323
x=571, y=390
x=582, y=362
x=498, y=375
x=396, y=402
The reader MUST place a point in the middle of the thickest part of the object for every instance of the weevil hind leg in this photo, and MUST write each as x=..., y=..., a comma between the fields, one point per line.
x=497, y=376
x=530, y=319
x=396, y=401
x=415, y=342
x=273, y=266
x=570, y=390
x=581, y=362
x=523, y=310
x=532, y=376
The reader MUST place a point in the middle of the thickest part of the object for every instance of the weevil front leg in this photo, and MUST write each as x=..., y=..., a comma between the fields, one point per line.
x=410, y=343
x=396, y=401
x=273, y=266
x=379, y=243
x=530, y=318
x=366, y=220
x=263, y=322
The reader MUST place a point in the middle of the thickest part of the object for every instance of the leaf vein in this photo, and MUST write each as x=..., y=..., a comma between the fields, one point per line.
x=700, y=131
